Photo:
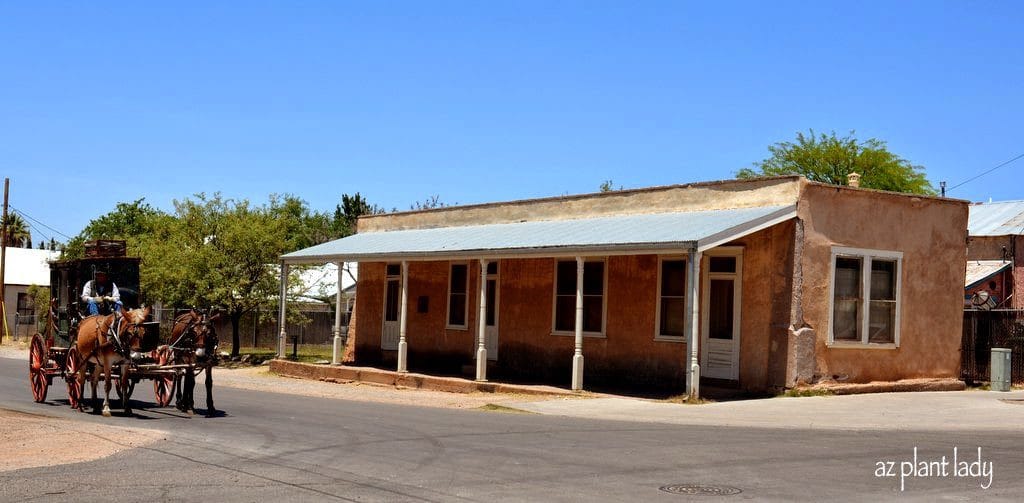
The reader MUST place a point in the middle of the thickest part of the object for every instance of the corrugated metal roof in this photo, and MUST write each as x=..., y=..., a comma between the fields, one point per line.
x=996, y=219
x=24, y=266
x=980, y=270
x=676, y=230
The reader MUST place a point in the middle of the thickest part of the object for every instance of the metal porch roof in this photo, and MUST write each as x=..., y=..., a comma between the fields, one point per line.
x=996, y=219
x=607, y=234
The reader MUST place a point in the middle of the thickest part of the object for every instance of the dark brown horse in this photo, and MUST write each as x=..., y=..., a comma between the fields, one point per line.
x=107, y=341
x=193, y=343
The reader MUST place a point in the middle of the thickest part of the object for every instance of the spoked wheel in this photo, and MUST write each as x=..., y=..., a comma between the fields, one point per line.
x=37, y=364
x=163, y=384
x=115, y=382
x=75, y=388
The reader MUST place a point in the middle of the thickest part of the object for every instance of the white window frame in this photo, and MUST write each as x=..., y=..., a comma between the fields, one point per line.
x=866, y=256
x=448, y=299
x=604, y=298
x=658, y=336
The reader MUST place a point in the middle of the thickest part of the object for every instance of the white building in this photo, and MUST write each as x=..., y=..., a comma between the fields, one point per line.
x=23, y=267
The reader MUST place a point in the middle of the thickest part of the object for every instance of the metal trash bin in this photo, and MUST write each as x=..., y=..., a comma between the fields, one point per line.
x=999, y=379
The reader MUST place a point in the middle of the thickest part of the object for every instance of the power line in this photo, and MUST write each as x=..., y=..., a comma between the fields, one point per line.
x=985, y=173
x=22, y=213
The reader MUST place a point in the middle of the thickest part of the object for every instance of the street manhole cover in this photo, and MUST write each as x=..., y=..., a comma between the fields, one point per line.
x=700, y=490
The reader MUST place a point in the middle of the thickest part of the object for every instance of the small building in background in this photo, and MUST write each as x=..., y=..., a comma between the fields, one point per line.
x=24, y=267
x=995, y=253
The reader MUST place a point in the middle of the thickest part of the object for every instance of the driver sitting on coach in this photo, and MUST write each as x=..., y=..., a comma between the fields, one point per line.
x=100, y=290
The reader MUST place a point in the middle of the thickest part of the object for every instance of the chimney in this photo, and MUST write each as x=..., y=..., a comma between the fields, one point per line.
x=853, y=180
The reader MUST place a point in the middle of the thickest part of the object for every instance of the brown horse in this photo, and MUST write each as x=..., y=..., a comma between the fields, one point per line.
x=96, y=344
x=193, y=343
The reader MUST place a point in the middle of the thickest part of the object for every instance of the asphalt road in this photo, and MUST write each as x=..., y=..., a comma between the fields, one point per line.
x=294, y=448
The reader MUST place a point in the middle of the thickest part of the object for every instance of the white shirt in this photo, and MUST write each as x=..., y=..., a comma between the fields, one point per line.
x=88, y=291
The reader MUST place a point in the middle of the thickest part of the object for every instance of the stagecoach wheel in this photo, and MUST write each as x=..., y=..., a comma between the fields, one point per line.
x=75, y=388
x=163, y=384
x=115, y=382
x=37, y=368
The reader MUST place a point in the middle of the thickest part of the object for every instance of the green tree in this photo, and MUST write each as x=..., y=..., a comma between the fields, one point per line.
x=128, y=221
x=303, y=226
x=348, y=212
x=829, y=159
x=18, y=234
x=216, y=252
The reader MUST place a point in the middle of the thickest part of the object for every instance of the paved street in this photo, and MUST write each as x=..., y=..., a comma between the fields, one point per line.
x=300, y=448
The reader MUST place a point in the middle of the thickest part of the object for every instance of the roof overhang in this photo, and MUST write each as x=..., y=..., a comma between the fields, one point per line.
x=601, y=235
x=980, y=271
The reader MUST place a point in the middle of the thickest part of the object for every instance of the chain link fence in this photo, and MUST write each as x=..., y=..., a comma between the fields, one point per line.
x=25, y=325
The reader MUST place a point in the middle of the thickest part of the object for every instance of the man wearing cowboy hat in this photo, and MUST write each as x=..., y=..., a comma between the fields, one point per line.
x=99, y=290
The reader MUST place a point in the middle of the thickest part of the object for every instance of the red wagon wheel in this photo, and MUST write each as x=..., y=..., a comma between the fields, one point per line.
x=75, y=388
x=37, y=363
x=163, y=384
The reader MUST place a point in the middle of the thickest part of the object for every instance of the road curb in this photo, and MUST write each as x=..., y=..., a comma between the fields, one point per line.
x=345, y=374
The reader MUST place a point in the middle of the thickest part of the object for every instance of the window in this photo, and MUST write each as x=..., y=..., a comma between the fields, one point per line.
x=865, y=297
x=593, y=296
x=23, y=308
x=458, y=286
x=672, y=298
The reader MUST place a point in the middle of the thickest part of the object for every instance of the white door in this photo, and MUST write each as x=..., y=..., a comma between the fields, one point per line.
x=720, y=313
x=491, y=325
x=392, y=302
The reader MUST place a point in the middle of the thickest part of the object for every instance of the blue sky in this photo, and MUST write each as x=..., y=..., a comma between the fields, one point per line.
x=485, y=101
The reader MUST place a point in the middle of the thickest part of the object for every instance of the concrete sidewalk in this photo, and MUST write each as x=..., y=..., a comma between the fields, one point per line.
x=930, y=411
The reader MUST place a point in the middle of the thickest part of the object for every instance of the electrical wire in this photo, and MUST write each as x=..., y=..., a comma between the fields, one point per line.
x=984, y=173
x=22, y=213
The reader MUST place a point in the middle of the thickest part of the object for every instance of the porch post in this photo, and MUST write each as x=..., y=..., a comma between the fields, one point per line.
x=692, y=325
x=403, y=347
x=339, y=309
x=577, y=357
x=481, y=349
x=282, y=342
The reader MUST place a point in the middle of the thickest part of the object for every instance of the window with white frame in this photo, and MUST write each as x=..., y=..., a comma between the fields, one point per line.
x=672, y=298
x=593, y=296
x=865, y=296
x=458, y=286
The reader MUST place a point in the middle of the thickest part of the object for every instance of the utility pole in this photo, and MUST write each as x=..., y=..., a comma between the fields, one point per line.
x=943, y=186
x=3, y=262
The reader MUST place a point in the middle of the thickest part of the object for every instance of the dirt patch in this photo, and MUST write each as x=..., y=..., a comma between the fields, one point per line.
x=30, y=441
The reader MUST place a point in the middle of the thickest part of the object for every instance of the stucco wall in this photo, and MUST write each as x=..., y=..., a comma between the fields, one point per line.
x=692, y=197
x=931, y=233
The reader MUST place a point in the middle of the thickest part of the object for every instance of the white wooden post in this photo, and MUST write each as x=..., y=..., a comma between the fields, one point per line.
x=282, y=341
x=577, y=357
x=339, y=312
x=481, y=350
x=403, y=347
x=692, y=315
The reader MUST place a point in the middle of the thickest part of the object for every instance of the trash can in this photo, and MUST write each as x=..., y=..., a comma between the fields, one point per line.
x=999, y=380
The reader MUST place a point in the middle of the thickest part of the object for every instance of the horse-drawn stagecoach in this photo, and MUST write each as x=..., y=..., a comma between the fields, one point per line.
x=120, y=346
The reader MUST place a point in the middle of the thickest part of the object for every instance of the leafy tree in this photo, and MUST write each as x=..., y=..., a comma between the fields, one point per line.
x=828, y=159
x=18, y=234
x=128, y=221
x=216, y=252
x=304, y=227
x=608, y=186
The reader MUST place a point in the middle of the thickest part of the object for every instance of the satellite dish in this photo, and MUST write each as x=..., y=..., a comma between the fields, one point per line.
x=983, y=300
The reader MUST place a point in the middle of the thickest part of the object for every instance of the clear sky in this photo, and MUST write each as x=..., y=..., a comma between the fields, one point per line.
x=475, y=101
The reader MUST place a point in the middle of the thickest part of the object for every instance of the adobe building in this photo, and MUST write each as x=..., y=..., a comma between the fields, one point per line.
x=995, y=253
x=756, y=284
